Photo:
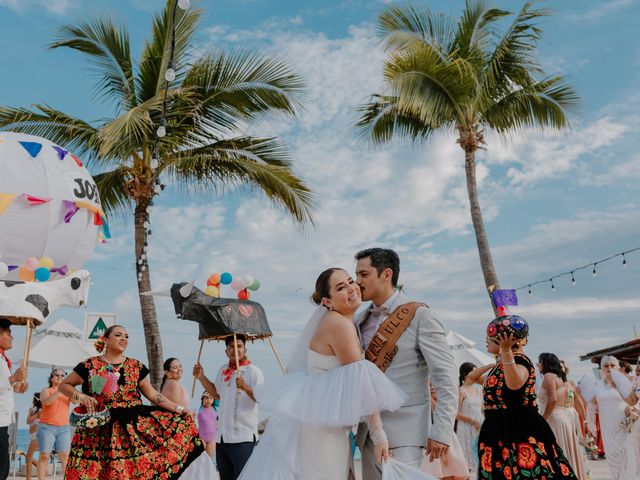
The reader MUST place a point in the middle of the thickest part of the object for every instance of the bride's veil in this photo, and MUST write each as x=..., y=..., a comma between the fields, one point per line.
x=298, y=358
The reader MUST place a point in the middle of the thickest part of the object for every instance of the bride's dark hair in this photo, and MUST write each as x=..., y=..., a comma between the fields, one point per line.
x=322, y=285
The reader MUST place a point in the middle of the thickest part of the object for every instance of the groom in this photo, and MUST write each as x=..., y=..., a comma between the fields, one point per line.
x=422, y=355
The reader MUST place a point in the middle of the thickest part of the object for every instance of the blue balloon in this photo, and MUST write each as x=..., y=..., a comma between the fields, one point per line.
x=42, y=274
x=226, y=278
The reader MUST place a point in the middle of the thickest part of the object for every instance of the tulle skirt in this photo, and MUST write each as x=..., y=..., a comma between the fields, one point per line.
x=321, y=406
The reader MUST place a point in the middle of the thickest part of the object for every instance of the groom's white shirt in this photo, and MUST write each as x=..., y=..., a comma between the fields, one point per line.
x=423, y=354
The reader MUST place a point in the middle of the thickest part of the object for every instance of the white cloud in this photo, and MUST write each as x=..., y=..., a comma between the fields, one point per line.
x=57, y=7
x=602, y=9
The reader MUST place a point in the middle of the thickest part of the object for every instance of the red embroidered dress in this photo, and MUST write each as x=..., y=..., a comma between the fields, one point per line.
x=515, y=441
x=139, y=442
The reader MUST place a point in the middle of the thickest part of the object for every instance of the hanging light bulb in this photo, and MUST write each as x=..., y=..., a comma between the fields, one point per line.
x=184, y=4
x=624, y=261
x=154, y=162
x=594, y=273
x=157, y=188
x=139, y=261
x=143, y=256
x=170, y=74
x=161, y=132
x=143, y=268
x=573, y=279
x=146, y=224
x=148, y=209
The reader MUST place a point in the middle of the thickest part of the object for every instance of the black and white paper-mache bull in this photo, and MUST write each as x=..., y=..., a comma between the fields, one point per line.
x=31, y=303
x=219, y=318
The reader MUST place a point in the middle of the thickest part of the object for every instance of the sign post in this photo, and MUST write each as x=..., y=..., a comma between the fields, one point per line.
x=96, y=323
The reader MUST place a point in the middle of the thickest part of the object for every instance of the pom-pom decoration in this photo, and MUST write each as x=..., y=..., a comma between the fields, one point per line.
x=99, y=344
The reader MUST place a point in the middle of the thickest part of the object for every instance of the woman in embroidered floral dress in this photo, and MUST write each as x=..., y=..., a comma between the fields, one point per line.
x=515, y=441
x=142, y=442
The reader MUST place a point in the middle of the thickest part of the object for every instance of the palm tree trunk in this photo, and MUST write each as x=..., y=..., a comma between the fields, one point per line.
x=484, y=250
x=147, y=305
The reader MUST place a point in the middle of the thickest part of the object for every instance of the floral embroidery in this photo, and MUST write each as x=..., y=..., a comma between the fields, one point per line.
x=151, y=444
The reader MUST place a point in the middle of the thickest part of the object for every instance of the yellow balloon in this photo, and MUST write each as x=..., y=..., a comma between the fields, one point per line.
x=212, y=291
x=46, y=262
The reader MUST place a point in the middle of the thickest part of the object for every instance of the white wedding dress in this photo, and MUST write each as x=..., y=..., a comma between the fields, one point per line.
x=313, y=411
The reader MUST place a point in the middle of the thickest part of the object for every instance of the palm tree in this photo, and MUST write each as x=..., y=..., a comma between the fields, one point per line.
x=465, y=76
x=211, y=98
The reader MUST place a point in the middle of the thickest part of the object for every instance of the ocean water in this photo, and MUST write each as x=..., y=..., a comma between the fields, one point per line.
x=23, y=439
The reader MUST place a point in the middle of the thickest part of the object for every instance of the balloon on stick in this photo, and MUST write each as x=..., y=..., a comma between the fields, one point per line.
x=25, y=274
x=31, y=263
x=42, y=274
x=247, y=281
x=212, y=291
x=46, y=262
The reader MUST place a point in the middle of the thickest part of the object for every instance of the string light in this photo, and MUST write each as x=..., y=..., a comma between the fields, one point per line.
x=572, y=272
x=170, y=75
x=184, y=4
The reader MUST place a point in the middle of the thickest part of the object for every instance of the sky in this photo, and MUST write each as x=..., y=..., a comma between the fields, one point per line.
x=551, y=202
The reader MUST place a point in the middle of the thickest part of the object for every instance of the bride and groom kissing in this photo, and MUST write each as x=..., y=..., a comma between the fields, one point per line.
x=329, y=387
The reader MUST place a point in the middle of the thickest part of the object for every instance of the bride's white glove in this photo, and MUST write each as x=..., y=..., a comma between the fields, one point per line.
x=378, y=437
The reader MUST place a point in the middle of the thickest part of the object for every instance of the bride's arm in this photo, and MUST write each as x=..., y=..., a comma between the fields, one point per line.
x=378, y=437
x=343, y=339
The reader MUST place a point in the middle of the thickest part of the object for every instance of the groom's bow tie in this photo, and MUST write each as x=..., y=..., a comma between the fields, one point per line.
x=381, y=310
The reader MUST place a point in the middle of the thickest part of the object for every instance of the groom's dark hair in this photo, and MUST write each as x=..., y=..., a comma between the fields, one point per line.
x=381, y=259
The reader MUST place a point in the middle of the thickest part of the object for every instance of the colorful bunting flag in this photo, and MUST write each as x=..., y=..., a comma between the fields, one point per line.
x=32, y=147
x=504, y=298
x=61, y=152
x=70, y=210
x=77, y=160
x=33, y=200
x=6, y=199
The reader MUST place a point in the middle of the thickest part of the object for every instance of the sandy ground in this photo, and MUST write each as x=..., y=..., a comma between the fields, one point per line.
x=599, y=470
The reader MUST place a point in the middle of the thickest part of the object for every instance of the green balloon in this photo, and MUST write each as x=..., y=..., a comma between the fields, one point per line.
x=255, y=285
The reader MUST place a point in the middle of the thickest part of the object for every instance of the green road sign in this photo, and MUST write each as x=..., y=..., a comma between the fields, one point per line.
x=98, y=329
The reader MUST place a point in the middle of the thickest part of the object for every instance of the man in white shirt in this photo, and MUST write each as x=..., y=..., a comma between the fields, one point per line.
x=8, y=384
x=237, y=431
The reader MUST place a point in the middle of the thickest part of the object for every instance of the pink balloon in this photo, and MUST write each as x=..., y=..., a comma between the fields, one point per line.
x=31, y=263
x=237, y=284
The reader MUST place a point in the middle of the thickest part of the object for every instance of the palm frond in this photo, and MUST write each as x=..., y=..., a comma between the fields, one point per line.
x=108, y=48
x=380, y=120
x=428, y=87
x=112, y=189
x=513, y=59
x=69, y=132
x=475, y=28
x=247, y=162
x=401, y=27
x=544, y=104
x=155, y=54
x=233, y=87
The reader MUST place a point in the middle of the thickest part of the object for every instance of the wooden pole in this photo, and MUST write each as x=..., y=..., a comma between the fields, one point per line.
x=235, y=353
x=193, y=389
x=275, y=352
x=27, y=347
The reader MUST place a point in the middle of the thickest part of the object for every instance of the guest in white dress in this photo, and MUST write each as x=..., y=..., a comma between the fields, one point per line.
x=326, y=391
x=470, y=416
x=613, y=395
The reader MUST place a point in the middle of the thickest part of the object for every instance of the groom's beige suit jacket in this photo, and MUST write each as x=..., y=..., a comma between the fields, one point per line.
x=423, y=354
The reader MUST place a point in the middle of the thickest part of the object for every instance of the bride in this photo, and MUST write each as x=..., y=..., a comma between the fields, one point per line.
x=328, y=389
